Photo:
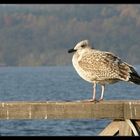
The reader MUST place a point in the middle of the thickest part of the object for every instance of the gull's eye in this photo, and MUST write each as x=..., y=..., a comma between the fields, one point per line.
x=83, y=46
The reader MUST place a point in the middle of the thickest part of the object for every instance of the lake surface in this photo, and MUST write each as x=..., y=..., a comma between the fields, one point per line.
x=55, y=84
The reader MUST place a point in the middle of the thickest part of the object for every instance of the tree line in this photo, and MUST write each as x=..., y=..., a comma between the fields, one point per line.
x=40, y=35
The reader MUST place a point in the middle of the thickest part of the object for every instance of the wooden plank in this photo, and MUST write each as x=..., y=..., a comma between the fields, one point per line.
x=133, y=128
x=137, y=125
x=132, y=110
x=111, y=130
x=60, y=110
x=111, y=109
x=124, y=129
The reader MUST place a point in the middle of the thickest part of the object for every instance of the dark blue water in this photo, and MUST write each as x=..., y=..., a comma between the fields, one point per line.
x=55, y=84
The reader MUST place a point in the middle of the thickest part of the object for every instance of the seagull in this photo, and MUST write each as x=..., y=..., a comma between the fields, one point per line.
x=101, y=67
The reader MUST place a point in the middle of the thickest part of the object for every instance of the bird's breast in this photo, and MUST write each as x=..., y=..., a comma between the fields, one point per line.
x=83, y=74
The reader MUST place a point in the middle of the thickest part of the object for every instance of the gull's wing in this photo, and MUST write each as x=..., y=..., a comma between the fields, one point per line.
x=104, y=66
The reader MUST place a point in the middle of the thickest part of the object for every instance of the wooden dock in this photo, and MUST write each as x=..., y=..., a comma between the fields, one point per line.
x=125, y=114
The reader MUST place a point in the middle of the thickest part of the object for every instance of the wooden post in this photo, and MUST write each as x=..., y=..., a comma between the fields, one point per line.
x=111, y=130
x=126, y=114
x=124, y=129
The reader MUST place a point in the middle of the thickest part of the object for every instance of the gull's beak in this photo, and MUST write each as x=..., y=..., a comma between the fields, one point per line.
x=71, y=50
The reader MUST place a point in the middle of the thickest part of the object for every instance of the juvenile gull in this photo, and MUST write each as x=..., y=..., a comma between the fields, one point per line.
x=101, y=67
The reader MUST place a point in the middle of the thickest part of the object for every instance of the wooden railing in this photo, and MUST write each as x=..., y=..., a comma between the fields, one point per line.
x=125, y=114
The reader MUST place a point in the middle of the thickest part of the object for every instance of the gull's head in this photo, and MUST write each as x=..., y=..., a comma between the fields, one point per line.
x=82, y=45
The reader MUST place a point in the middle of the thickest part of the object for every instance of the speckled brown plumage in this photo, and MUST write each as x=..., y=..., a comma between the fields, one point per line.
x=101, y=67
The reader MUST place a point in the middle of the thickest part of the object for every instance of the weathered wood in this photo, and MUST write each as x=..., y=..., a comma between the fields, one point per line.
x=132, y=110
x=137, y=125
x=132, y=126
x=70, y=110
x=124, y=129
x=111, y=130
x=121, y=128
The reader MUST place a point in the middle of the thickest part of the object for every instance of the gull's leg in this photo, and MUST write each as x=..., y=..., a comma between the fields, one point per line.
x=94, y=93
x=102, y=93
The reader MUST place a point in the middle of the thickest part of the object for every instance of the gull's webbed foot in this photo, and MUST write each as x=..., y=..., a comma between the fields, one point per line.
x=101, y=99
x=90, y=100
